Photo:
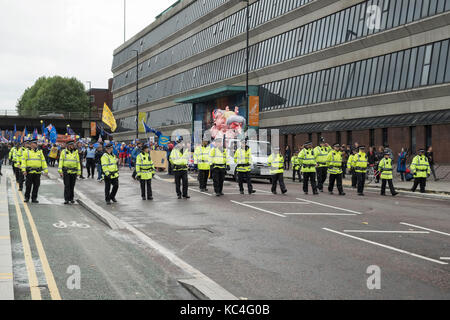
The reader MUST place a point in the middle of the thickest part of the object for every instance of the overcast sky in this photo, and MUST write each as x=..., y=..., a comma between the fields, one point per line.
x=70, y=38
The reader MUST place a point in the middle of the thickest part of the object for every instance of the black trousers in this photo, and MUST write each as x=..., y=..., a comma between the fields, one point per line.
x=111, y=194
x=321, y=176
x=90, y=166
x=146, y=184
x=203, y=178
x=181, y=177
x=20, y=178
x=419, y=181
x=344, y=169
x=245, y=176
x=278, y=177
x=218, y=175
x=354, y=179
x=338, y=179
x=360, y=180
x=383, y=186
x=309, y=176
x=69, y=185
x=297, y=172
x=33, y=181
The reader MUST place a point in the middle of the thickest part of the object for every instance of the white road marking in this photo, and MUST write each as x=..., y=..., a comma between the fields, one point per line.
x=320, y=214
x=435, y=231
x=385, y=246
x=384, y=231
x=276, y=202
x=329, y=206
x=444, y=258
x=206, y=193
x=263, y=191
x=256, y=208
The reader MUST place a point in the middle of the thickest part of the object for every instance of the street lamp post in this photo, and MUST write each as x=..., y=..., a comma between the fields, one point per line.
x=137, y=93
x=247, y=56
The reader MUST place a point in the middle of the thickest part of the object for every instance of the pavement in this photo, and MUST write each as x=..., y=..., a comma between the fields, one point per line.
x=6, y=265
x=259, y=246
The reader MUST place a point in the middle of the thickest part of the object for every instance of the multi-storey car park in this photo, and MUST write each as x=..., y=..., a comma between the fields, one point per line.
x=376, y=72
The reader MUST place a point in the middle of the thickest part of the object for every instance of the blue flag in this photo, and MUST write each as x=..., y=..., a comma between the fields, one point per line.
x=53, y=135
x=148, y=130
x=35, y=134
x=163, y=140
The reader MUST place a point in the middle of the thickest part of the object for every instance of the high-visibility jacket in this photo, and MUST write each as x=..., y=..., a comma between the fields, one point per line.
x=69, y=162
x=219, y=159
x=308, y=160
x=334, y=162
x=109, y=165
x=295, y=162
x=420, y=166
x=179, y=160
x=350, y=161
x=18, y=157
x=144, y=166
x=243, y=159
x=385, y=166
x=321, y=154
x=12, y=153
x=33, y=161
x=276, y=163
x=201, y=157
x=360, y=162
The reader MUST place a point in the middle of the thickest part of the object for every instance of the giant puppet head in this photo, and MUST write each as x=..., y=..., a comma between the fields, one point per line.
x=227, y=123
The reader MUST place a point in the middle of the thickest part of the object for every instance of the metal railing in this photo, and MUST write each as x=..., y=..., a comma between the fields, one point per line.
x=93, y=115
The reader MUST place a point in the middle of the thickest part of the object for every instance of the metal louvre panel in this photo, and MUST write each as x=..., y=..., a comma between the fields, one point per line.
x=426, y=118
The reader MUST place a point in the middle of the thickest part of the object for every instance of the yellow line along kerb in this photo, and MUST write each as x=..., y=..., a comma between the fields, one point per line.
x=52, y=287
x=32, y=278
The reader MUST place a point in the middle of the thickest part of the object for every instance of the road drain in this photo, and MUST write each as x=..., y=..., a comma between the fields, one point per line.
x=195, y=230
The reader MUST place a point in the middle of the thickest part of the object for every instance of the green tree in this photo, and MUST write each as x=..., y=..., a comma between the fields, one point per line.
x=55, y=94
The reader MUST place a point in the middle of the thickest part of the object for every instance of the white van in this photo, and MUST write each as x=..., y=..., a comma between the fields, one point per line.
x=261, y=151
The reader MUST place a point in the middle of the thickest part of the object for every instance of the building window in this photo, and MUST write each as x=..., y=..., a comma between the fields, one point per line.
x=412, y=139
x=319, y=135
x=309, y=137
x=385, y=137
x=428, y=136
x=372, y=137
x=92, y=99
x=349, y=138
x=338, y=137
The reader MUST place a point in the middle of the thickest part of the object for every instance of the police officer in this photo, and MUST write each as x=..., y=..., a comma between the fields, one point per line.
x=243, y=160
x=359, y=163
x=179, y=158
x=219, y=165
x=111, y=174
x=69, y=168
x=350, y=167
x=18, y=162
x=276, y=162
x=296, y=166
x=321, y=154
x=308, y=162
x=144, y=171
x=334, y=163
x=385, y=166
x=202, y=160
x=420, y=168
x=33, y=164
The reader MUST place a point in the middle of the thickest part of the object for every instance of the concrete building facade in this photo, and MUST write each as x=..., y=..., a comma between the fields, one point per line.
x=375, y=71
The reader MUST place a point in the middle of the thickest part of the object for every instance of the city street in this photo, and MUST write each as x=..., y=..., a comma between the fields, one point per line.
x=260, y=246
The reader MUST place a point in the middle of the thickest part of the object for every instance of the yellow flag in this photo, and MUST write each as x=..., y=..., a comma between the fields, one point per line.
x=142, y=118
x=108, y=118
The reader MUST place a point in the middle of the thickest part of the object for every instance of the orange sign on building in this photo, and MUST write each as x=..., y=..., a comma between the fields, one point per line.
x=93, y=129
x=253, y=112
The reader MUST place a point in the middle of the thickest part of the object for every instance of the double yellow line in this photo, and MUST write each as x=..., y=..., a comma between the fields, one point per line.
x=31, y=270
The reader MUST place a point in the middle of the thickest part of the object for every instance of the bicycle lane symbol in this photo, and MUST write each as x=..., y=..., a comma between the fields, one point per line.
x=72, y=224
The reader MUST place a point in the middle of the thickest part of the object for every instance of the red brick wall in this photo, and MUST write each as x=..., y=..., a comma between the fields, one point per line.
x=441, y=143
x=398, y=138
x=362, y=137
